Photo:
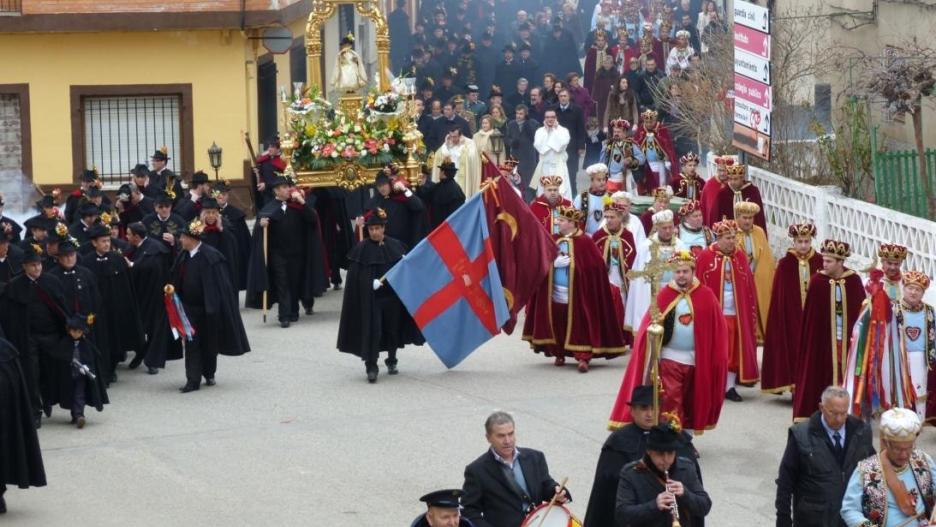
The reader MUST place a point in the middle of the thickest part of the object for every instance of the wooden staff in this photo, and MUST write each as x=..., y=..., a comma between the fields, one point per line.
x=552, y=502
x=266, y=251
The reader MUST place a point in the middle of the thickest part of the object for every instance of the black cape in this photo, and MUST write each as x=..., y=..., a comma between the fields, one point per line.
x=443, y=198
x=134, y=212
x=406, y=219
x=623, y=446
x=259, y=278
x=15, y=228
x=155, y=228
x=374, y=321
x=14, y=307
x=20, y=455
x=79, y=285
x=337, y=235
x=150, y=273
x=119, y=316
x=75, y=200
x=215, y=316
x=12, y=265
x=58, y=385
x=238, y=222
x=226, y=244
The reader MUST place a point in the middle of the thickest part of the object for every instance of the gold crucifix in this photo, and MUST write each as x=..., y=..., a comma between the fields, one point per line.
x=653, y=271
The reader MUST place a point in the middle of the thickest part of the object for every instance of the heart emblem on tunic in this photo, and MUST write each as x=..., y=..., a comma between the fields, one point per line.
x=685, y=319
x=913, y=333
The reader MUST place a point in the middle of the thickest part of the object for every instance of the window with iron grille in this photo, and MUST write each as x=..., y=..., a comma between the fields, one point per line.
x=121, y=131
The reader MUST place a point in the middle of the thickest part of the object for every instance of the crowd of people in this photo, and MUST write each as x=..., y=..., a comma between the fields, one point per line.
x=688, y=288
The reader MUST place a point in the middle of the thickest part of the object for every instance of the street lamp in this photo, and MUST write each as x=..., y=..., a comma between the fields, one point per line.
x=497, y=143
x=214, y=157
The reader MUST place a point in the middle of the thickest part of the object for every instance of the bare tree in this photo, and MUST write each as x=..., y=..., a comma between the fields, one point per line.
x=903, y=83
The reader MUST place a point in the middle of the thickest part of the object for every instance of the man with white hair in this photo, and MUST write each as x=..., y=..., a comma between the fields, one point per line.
x=631, y=221
x=592, y=201
x=894, y=488
x=638, y=297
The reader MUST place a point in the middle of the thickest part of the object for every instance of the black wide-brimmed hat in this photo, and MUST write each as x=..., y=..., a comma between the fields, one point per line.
x=163, y=198
x=199, y=178
x=641, y=396
x=78, y=321
x=221, y=186
x=67, y=247
x=664, y=438
x=33, y=253
x=161, y=155
x=45, y=202
x=98, y=230
x=139, y=170
x=376, y=217
x=210, y=204
x=88, y=209
x=58, y=233
x=89, y=175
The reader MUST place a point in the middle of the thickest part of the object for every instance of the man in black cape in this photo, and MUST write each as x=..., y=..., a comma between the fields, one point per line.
x=9, y=225
x=79, y=287
x=20, y=455
x=150, y=261
x=161, y=177
x=623, y=446
x=70, y=371
x=238, y=222
x=133, y=205
x=164, y=225
x=32, y=315
x=372, y=317
x=11, y=259
x=119, y=316
x=37, y=226
x=294, y=271
x=444, y=197
x=200, y=277
x=189, y=207
x=78, y=197
x=217, y=233
x=405, y=211
x=86, y=216
x=337, y=235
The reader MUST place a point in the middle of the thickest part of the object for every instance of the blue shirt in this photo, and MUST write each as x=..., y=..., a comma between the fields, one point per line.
x=830, y=432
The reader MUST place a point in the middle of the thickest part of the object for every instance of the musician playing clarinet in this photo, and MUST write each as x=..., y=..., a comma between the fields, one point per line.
x=661, y=489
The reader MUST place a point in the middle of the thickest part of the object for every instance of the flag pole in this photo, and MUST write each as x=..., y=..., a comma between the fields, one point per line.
x=266, y=290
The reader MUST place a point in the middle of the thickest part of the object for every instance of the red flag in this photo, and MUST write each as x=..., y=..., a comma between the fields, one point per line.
x=524, y=251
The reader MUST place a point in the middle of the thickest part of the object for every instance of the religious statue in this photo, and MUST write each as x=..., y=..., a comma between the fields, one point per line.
x=348, y=75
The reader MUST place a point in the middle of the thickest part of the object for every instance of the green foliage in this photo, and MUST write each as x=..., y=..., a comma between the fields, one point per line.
x=847, y=152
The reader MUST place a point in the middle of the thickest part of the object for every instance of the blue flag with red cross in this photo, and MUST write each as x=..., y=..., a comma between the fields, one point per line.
x=450, y=285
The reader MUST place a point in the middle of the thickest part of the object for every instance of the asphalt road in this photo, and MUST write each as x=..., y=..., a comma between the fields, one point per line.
x=293, y=435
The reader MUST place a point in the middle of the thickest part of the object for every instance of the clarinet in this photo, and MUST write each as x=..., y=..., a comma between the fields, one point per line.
x=674, y=508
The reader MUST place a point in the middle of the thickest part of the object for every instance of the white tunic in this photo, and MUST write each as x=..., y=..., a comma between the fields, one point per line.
x=551, y=145
x=638, y=296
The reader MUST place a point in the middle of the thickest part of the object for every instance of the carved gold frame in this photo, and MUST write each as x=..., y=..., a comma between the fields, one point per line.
x=322, y=10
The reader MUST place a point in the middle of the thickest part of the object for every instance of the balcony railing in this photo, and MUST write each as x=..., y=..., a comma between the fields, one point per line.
x=11, y=7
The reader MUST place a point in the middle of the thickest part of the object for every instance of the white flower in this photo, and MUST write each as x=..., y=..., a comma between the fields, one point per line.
x=386, y=147
x=335, y=153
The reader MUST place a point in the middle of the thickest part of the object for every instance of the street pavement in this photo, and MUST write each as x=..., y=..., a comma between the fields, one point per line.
x=293, y=435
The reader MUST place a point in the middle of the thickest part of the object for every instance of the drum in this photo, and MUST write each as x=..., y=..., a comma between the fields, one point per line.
x=557, y=516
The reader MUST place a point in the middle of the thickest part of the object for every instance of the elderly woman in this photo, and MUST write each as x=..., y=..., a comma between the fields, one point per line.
x=482, y=141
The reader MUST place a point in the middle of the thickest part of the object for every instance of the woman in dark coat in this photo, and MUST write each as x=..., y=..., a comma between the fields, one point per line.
x=622, y=104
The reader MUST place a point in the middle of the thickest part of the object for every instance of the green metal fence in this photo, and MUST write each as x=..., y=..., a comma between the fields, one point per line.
x=897, y=182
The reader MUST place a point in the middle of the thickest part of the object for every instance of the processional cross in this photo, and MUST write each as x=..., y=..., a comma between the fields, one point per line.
x=652, y=272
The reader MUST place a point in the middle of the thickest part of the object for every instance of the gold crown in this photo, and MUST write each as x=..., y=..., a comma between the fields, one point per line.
x=689, y=207
x=551, y=181
x=691, y=157
x=835, y=249
x=682, y=257
x=725, y=160
x=61, y=229
x=892, y=251
x=620, y=123
x=746, y=208
x=571, y=213
x=649, y=114
x=802, y=229
x=725, y=227
x=735, y=170
x=916, y=278
x=663, y=193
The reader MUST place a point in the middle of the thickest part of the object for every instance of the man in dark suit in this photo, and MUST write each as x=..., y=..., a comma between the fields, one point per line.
x=442, y=126
x=505, y=482
x=398, y=22
x=507, y=72
x=519, y=140
x=820, y=456
x=572, y=119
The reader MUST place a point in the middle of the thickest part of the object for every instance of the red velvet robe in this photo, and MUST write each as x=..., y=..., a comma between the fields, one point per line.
x=623, y=56
x=591, y=66
x=814, y=364
x=543, y=212
x=710, y=270
x=646, y=219
x=725, y=201
x=590, y=324
x=782, y=338
x=663, y=142
x=683, y=185
x=711, y=358
x=709, y=199
x=625, y=255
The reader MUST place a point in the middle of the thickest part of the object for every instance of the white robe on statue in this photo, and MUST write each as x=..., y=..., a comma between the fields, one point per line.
x=551, y=145
x=466, y=157
x=638, y=296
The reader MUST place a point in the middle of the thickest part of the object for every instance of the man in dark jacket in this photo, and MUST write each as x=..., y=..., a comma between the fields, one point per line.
x=150, y=261
x=572, y=119
x=652, y=489
x=505, y=482
x=626, y=445
x=649, y=79
x=820, y=456
x=444, y=510
x=507, y=72
x=519, y=141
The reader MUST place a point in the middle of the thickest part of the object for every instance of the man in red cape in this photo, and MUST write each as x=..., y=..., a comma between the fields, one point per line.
x=788, y=296
x=833, y=300
x=725, y=269
x=624, y=51
x=569, y=315
x=694, y=392
x=739, y=189
x=656, y=143
x=593, y=58
x=711, y=189
x=617, y=248
x=546, y=207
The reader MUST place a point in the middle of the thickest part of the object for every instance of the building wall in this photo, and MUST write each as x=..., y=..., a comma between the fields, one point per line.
x=215, y=63
x=44, y=7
